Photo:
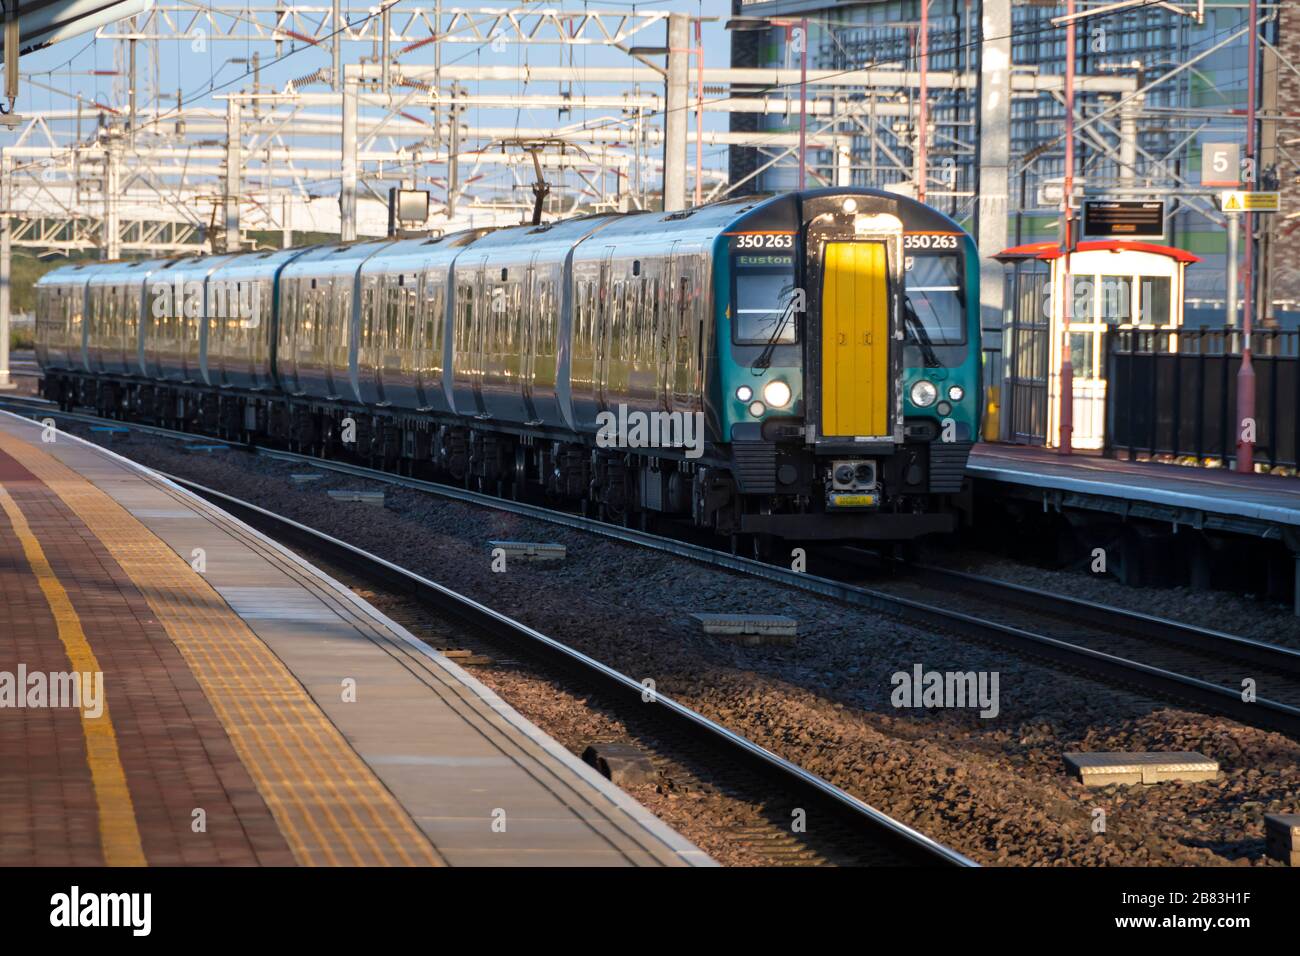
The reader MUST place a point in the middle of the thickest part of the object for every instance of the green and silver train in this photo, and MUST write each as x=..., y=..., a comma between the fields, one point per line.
x=802, y=366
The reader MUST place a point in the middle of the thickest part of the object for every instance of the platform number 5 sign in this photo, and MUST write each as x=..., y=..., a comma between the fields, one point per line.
x=1220, y=164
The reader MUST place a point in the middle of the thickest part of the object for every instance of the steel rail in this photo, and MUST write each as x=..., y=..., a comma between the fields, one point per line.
x=814, y=792
x=1260, y=712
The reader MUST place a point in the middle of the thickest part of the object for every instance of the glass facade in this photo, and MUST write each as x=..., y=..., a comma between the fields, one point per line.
x=1200, y=104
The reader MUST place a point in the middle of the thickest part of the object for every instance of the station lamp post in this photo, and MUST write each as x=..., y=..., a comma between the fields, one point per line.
x=1066, y=439
x=1246, y=373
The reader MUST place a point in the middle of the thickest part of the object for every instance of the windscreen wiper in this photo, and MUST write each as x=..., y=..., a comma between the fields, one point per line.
x=920, y=335
x=764, y=360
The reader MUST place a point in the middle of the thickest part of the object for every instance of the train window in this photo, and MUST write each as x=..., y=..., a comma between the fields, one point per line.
x=466, y=314
x=410, y=299
x=934, y=288
x=392, y=317
x=628, y=337
x=502, y=318
x=658, y=334
x=639, y=316
x=434, y=313
x=683, y=306
x=763, y=300
x=613, y=330
x=288, y=302
x=546, y=300
x=586, y=306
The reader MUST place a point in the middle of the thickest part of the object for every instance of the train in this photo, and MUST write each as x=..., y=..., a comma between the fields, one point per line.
x=798, y=367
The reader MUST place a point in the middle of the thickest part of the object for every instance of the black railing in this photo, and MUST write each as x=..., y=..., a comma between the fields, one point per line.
x=1174, y=392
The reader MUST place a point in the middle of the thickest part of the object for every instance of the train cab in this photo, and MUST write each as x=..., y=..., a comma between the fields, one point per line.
x=848, y=376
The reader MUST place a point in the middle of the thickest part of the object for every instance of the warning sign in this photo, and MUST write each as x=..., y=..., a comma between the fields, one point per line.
x=1239, y=201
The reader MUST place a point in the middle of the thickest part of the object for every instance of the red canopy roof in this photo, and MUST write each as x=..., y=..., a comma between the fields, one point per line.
x=1051, y=250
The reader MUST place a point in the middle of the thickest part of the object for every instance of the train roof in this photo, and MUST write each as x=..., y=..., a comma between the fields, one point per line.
x=254, y=264
x=378, y=256
x=77, y=273
x=187, y=268
x=416, y=255
x=333, y=258
x=567, y=231
x=126, y=271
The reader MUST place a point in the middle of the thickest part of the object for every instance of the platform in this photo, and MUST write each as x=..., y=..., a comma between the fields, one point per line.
x=1263, y=505
x=253, y=710
x=1252, y=506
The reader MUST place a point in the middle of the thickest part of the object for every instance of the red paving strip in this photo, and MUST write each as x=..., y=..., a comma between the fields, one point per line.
x=176, y=754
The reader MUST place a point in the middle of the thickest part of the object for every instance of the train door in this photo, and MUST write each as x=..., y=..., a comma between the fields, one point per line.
x=659, y=289
x=374, y=295
x=687, y=329
x=99, y=328
x=387, y=336
x=469, y=344
x=533, y=313
x=286, y=358
x=479, y=331
x=855, y=339
x=436, y=285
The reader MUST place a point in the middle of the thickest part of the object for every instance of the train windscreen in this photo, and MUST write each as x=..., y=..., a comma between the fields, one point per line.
x=933, y=286
x=763, y=296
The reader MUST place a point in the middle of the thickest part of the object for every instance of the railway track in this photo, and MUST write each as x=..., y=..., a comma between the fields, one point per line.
x=858, y=833
x=1185, y=661
x=1178, y=662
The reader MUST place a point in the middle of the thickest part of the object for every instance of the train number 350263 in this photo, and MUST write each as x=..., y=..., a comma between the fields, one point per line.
x=765, y=241
x=929, y=240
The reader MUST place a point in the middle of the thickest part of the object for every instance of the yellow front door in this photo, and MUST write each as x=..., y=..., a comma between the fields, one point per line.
x=855, y=340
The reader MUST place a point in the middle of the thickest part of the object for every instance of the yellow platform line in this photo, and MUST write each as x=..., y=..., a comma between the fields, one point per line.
x=119, y=835
x=308, y=774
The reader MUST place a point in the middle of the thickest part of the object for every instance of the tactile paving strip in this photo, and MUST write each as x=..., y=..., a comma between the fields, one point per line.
x=330, y=806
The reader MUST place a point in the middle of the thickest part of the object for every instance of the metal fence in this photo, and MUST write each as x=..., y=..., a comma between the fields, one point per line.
x=1174, y=392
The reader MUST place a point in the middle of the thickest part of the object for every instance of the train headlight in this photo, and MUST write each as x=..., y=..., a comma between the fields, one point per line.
x=850, y=205
x=924, y=394
x=956, y=393
x=776, y=394
x=744, y=393
x=756, y=409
